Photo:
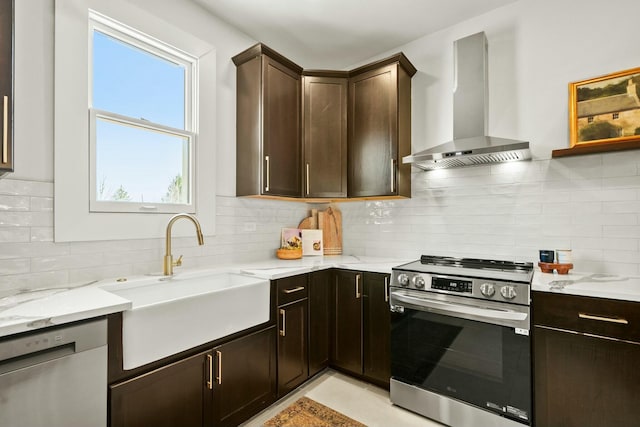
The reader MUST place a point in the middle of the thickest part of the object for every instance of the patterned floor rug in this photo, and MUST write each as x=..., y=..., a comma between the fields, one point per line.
x=305, y=412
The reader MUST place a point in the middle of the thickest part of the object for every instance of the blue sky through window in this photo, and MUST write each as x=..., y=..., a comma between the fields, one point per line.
x=133, y=82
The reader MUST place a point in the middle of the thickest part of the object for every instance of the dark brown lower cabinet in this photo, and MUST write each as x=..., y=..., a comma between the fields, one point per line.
x=221, y=387
x=346, y=321
x=173, y=395
x=360, y=324
x=377, y=332
x=244, y=377
x=586, y=358
x=319, y=330
x=293, y=368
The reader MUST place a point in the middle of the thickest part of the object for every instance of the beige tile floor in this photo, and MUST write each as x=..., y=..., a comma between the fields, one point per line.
x=361, y=401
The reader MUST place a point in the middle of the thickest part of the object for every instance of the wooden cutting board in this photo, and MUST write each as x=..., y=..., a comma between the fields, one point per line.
x=310, y=222
x=330, y=221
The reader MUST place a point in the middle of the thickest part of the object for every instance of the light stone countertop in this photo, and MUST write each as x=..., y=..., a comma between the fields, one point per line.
x=27, y=311
x=31, y=310
x=588, y=284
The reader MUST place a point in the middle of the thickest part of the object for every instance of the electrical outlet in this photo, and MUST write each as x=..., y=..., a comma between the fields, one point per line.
x=249, y=226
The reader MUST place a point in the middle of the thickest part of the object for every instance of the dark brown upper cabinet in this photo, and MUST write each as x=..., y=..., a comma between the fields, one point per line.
x=322, y=133
x=268, y=151
x=6, y=86
x=380, y=128
x=325, y=134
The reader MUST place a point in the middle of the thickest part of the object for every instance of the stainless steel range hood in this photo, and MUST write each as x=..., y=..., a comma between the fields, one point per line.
x=471, y=145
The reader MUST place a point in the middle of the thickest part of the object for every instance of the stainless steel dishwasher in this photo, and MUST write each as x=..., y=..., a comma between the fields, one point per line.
x=55, y=377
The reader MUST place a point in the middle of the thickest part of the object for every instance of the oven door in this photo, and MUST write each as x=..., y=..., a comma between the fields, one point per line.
x=480, y=363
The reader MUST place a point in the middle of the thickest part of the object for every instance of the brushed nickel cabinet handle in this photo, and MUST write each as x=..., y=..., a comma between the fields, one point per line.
x=386, y=289
x=5, y=129
x=210, y=382
x=307, y=180
x=283, y=331
x=393, y=175
x=603, y=318
x=292, y=290
x=266, y=159
x=358, y=286
x=219, y=376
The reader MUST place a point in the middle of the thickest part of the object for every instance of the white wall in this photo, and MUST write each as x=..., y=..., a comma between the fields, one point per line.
x=28, y=256
x=588, y=203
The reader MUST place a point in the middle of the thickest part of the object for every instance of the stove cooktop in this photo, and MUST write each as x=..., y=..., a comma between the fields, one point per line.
x=472, y=267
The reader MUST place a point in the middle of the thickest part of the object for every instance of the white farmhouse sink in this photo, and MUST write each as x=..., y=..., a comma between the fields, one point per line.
x=172, y=314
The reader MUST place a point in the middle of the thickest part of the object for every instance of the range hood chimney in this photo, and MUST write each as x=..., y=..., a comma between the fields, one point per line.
x=471, y=145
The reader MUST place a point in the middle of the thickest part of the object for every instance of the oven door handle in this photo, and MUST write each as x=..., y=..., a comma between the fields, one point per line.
x=457, y=308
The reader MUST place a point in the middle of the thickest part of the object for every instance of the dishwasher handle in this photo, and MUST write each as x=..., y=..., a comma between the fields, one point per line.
x=51, y=343
x=33, y=359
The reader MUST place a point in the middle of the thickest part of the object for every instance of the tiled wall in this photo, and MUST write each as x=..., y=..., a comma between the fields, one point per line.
x=29, y=258
x=589, y=204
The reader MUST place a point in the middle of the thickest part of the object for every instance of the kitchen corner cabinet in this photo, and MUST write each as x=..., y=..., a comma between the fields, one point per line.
x=268, y=151
x=6, y=86
x=223, y=386
x=324, y=126
x=586, y=353
x=293, y=365
x=319, y=320
x=379, y=128
x=360, y=324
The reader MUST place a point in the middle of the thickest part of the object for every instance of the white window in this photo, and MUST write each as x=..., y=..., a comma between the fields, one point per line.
x=142, y=127
x=153, y=153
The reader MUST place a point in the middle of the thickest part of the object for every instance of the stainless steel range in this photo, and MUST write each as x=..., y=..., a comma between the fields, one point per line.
x=460, y=346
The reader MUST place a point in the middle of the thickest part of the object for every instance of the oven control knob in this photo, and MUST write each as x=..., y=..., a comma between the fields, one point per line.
x=403, y=279
x=418, y=282
x=508, y=292
x=487, y=289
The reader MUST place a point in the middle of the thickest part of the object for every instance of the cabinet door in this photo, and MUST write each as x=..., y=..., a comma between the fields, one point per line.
x=281, y=130
x=293, y=367
x=377, y=321
x=6, y=86
x=173, y=395
x=585, y=381
x=325, y=136
x=347, y=321
x=373, y=132
x=319, y=331
x=244, y=377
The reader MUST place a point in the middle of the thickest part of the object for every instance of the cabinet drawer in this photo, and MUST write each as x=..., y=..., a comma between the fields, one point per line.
x=597, y=316
x=292, y=289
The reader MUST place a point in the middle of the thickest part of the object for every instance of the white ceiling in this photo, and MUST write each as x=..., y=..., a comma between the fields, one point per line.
x=335, y=34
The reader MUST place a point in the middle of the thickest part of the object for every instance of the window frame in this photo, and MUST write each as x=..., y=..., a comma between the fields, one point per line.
x=139, y=40
x=72, y=220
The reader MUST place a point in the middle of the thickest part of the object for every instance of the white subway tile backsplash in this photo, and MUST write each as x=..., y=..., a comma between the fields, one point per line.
x=14, y=234
x=41, y=234
x=42, y=204
x=14, y=266
x=14, y=203
x=590, y=204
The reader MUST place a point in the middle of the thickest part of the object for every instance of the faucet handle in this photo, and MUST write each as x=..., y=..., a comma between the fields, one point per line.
x=178, y=262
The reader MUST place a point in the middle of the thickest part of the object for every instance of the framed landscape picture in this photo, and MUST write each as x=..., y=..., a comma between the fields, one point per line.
x=606, y=109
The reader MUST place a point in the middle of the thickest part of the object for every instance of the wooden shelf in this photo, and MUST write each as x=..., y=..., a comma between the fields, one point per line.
x=602, y=147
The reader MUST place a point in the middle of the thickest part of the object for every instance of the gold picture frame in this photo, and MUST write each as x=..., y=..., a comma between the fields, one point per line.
x=605, y=110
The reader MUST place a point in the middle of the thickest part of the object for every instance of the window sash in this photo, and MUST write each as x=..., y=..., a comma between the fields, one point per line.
x=125, y=206
x=156, y=47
